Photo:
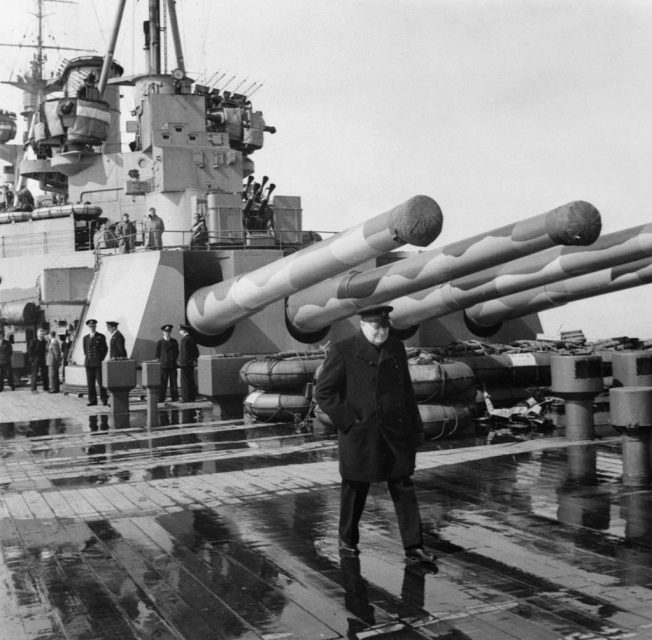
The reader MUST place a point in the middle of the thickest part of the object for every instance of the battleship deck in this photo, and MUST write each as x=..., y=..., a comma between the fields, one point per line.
x=200, y=530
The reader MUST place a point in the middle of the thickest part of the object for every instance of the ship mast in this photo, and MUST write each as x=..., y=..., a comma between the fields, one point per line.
x=33, y=83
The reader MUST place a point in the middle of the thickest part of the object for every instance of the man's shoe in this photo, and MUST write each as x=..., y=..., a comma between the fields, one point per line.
x=106, y=404
x=91, y=404
x=348, y=550
x=419, y=554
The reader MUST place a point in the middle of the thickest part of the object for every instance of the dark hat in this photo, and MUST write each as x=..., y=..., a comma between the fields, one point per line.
x=185, y=327
x=376, y=314
x=166, y=327
x=111, y=323
x=91, y=321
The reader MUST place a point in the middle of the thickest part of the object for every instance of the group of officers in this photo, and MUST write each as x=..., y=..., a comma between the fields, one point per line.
x=170, y=353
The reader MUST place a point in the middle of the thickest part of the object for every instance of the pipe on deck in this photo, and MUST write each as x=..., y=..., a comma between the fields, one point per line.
x=214, y=309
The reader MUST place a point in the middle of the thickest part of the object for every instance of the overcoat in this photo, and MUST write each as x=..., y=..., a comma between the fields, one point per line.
x=367, y=393
x=125, y=232
x=5, y=352
x=117, y=345
x=95, y=349
x=167, y=352
x=153, y=229
x=37, y=350
x=188, y=352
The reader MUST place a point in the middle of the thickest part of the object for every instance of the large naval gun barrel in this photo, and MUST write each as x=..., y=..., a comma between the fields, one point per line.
x=556, y=263
x=312, y=310
x=486, y=318
x=214, y=309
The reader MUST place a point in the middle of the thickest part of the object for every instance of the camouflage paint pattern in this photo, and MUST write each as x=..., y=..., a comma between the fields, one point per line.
x=557, y=263
x=493, y=312
x=576, y=223
x=213, y=309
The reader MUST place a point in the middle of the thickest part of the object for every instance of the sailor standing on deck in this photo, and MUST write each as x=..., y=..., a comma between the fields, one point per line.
x=366, y=390
x=37, y=350
x=153, y=228
x=117, y=350
x=95, y=350
x=188, y=354
x=6, y=370
x=167, y=352
x=125, y=232
x=53, y=361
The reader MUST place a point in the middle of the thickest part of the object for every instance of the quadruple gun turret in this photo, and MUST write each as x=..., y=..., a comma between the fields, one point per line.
x=321, y=286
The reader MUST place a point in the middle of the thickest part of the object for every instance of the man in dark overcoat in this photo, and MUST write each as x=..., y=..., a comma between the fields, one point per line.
x=188, y=354
x=167, y=353
x=37, y=350
x=117, y=348
x=95, y=350
x=366, y=390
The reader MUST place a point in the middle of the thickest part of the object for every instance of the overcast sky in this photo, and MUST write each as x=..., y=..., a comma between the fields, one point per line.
x=498, y=109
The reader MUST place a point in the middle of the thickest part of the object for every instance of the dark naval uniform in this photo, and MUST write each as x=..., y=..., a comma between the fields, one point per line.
x=117, y=346
x=6, y=370
x=167, y=352
x=188, y=354
x=95, y=350
x=37, y=351
x=367, y=392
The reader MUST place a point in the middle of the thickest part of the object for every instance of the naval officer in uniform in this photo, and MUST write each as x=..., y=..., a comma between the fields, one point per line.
x=366, y=390
x=117, y=350
x=95, y=350
x=188, y=354
x=167, y=353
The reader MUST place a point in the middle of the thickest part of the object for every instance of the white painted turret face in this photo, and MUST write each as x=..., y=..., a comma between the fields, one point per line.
x=375, y=333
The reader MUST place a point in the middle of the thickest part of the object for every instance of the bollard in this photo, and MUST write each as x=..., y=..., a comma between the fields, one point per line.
x=631, y=368
x=577, y=379
x=120, y=378
x=151, y=380
x=218, y=377
x=631, y=414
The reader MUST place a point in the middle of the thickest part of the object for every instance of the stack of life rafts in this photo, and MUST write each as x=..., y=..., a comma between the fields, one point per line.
x=445, y=392
x=281, y=388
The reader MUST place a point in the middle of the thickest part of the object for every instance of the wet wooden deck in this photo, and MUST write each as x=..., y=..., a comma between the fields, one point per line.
x=223, y=530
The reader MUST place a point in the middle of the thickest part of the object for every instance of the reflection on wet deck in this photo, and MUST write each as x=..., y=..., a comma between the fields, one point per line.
x=201, y=529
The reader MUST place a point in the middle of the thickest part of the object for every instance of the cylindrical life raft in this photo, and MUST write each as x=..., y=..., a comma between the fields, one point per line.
x=446, y=420
x=276, y=407
x=439, y=380
x=280, y=373
x=18, y=313
x=507, y=369
x=79, y=211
